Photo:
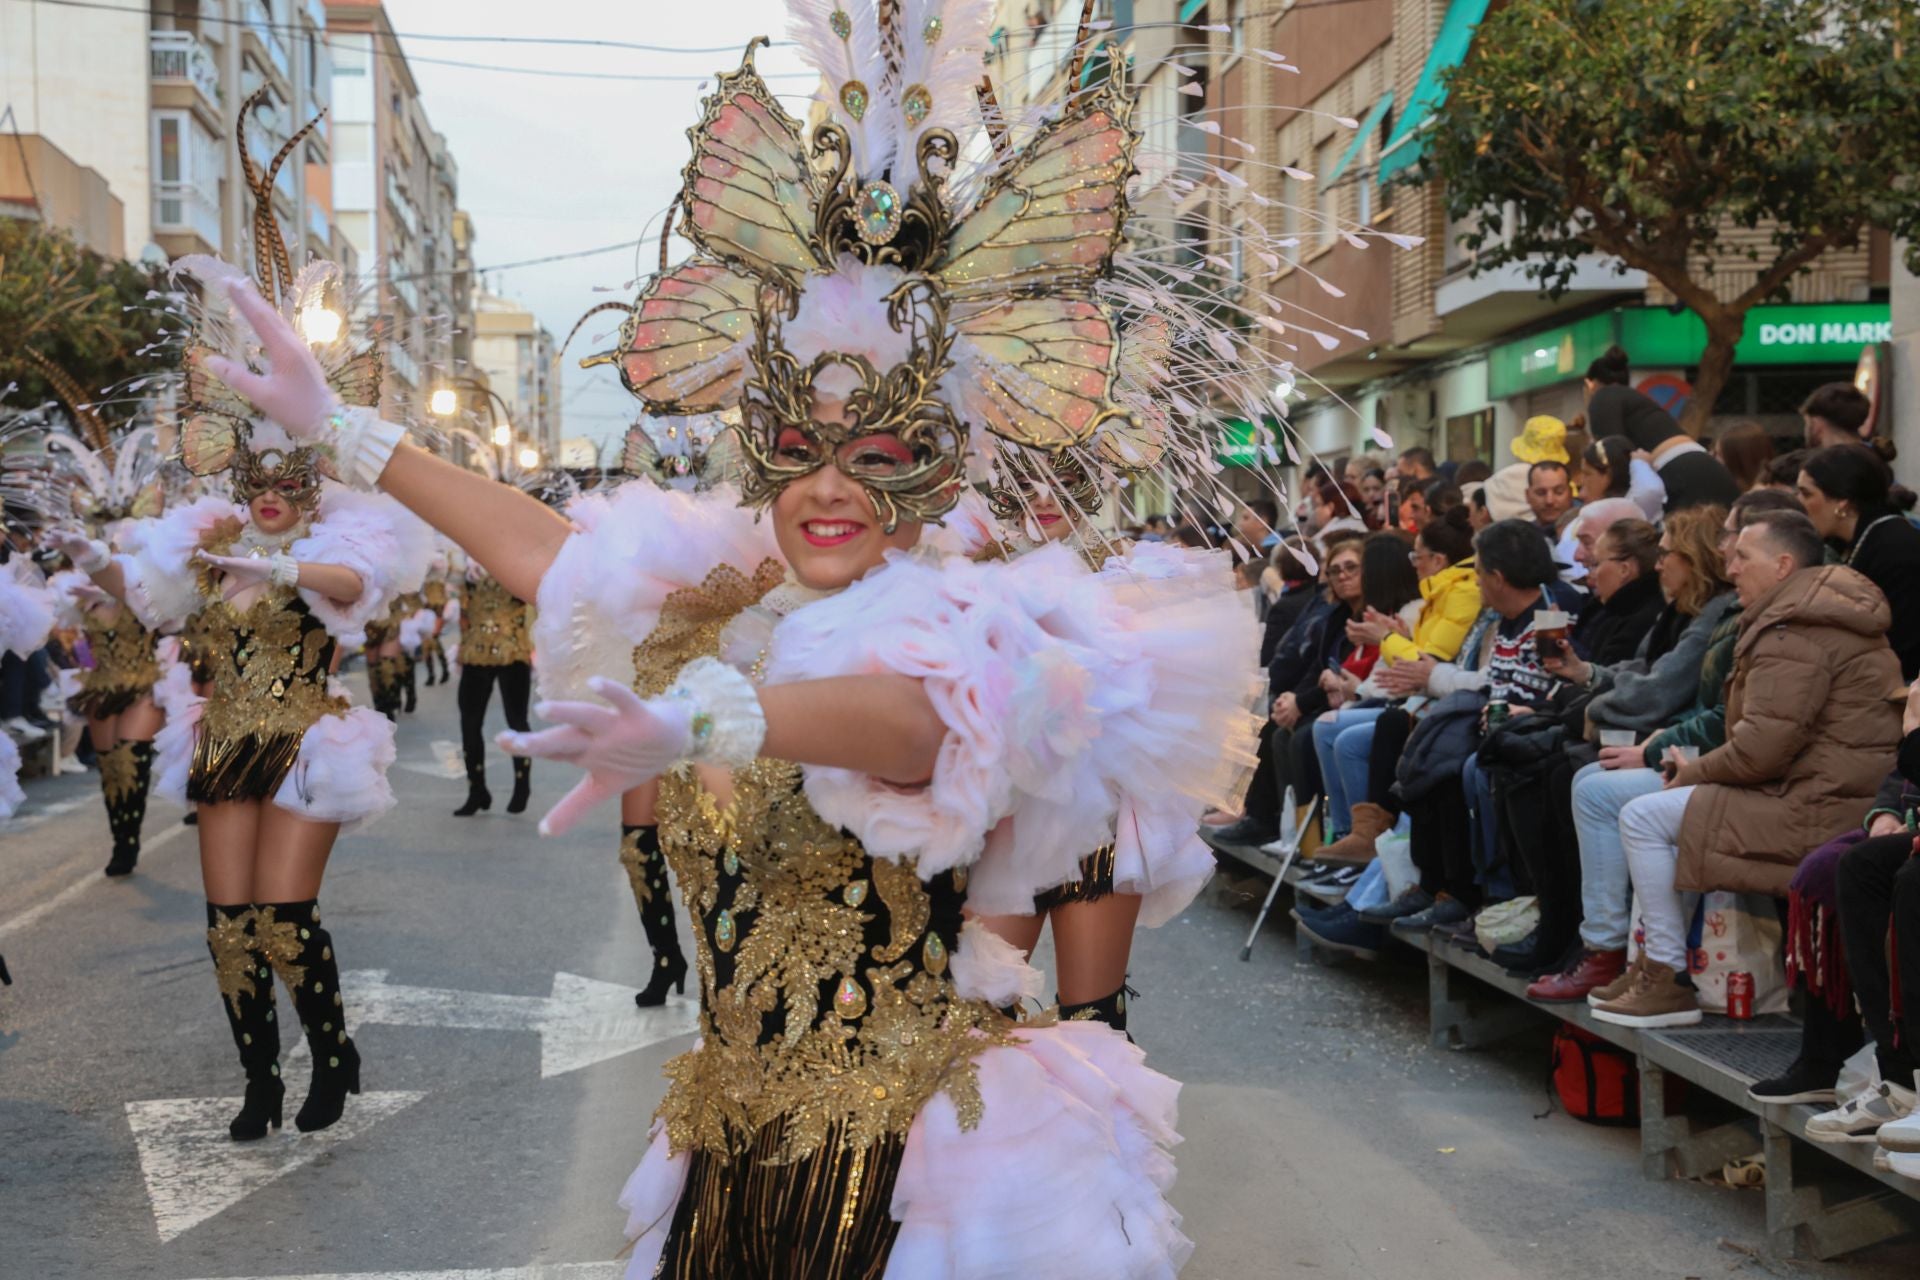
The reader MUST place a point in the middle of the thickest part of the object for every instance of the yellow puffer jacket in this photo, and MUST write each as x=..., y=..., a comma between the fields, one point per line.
x=1453, y=602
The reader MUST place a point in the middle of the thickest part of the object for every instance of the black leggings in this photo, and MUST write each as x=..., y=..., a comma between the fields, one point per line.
x=1879, y=888
x=476, y=690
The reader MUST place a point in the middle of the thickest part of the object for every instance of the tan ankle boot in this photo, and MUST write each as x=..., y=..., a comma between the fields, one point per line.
x=1370, y=822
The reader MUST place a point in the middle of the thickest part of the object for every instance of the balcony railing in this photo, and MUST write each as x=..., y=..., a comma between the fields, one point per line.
x=260, y=22
x=182, y=208
x=178, y=57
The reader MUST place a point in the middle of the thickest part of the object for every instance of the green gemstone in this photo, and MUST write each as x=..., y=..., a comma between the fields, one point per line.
x=916, y=105
x=932, y=30
x=878, y=212
x=731, y=862
x=723, y=931
x=842, y=25
x=853, y=99
x=936, y=952
x=856, y=893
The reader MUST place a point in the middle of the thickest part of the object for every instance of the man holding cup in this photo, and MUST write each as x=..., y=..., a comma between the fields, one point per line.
x=1809, y=735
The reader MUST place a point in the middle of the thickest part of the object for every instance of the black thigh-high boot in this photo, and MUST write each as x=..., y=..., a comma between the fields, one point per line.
x=646, y=870
x=1110, y=1009
x=301, y=951
x=125, y=774
x=516, y=690
x=246, y=989
x=427, y=648
x=409, y=684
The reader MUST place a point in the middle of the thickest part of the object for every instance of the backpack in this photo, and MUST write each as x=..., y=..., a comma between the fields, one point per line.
x=1594, y=1081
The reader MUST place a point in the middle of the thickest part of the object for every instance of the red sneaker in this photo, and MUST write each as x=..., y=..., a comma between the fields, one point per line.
x=1594, y=970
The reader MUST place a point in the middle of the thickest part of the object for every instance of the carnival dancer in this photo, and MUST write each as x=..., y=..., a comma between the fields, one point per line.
x=26, y=618
x=275, y=757
x=114, y=485
x=855, y=744
x=496, y=648
x=435, y=597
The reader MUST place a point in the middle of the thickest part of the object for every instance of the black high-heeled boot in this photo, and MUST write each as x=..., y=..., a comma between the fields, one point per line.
x=408, y=684
x=301, y=952
x=426, y=657
x=646, y=870
x=1111, y=1009
x=126, y=772
x=478, y=797
x=246, y=989
x=522, y=785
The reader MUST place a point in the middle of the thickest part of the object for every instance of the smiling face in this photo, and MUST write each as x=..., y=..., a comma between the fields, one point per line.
x=273, y=511
x=825, y=521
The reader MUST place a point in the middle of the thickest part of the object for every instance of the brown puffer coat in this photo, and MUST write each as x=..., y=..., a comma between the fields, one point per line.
x=1810, y=733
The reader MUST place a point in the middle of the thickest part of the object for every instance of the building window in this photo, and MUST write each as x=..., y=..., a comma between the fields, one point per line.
x=1327, y=199
x=1293, y=194
x=351, y=53
x=168, y=153
x=1237, y=20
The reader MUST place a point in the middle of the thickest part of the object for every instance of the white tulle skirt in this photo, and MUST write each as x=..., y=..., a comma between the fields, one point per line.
x=1065, y=1177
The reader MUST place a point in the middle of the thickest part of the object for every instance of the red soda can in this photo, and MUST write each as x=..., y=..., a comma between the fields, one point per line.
x=1740, y=996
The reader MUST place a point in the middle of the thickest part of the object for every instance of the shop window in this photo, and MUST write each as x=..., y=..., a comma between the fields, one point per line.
x=1470, y=436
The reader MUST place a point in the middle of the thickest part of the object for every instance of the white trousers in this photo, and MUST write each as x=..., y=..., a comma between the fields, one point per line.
x=1650, y=837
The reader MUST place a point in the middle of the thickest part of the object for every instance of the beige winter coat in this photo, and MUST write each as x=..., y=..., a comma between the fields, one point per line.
x=1811, y=732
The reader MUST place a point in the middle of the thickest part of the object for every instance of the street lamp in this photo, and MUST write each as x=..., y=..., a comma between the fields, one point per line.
x=502, y=435
x=529, y=458
x=444, y=403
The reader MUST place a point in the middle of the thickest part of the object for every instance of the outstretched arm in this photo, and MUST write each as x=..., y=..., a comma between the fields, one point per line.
x=513, y=535
x=91, y=558
x=336, y=582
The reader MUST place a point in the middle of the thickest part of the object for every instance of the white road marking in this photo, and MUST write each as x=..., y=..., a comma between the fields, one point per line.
x=38, y=815
x=546, y=1271
x=583, y=1022
x=447, y=762
x=80, y=886
x=193, y=1170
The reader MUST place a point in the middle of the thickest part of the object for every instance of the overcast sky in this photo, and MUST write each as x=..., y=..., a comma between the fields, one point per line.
x=551, y=166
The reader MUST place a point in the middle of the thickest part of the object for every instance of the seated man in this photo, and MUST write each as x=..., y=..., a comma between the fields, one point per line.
x=1809, y=734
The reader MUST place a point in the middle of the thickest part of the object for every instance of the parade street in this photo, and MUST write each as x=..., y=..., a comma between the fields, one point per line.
x=509, y=1081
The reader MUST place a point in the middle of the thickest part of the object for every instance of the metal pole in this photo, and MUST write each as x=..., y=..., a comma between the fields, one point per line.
x=1291, y=831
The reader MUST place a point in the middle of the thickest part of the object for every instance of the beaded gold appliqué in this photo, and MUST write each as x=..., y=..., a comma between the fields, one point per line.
x=232, y=966
x=495, y=627
x=691, y=620
x=280, y=942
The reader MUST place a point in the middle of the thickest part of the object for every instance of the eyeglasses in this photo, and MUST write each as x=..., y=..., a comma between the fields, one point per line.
x=1344, y=569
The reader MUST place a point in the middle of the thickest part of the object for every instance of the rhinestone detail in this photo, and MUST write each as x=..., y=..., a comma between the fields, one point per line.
x=853, y=99
x=878, y=212
x=916, y=104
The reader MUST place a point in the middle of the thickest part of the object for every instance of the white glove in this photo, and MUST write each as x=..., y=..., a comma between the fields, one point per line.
x=240, y=572
x=89, y=555
x=294, y=393
x=711, y=716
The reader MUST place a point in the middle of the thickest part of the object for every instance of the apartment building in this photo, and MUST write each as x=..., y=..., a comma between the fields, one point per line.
x=395, y=191
x=515, y=355
x=149, y=100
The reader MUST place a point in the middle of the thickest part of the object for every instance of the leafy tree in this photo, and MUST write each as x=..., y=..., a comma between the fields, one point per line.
x=85, y=314
x=1645, y=129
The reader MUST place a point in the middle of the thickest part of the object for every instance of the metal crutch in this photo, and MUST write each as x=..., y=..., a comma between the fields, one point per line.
x=1292, y=830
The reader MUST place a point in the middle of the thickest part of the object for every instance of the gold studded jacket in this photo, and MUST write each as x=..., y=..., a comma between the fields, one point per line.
x=496, y=630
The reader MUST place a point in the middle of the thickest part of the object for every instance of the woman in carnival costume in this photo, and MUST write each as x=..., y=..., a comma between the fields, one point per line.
x=855, y=743
x=115, y=488
x=274, y=756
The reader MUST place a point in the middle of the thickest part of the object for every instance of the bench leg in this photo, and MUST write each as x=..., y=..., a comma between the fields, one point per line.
x=1461, y=1017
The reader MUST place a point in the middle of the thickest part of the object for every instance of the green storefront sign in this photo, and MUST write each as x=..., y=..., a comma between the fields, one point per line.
x=1239, y=443
x=1813, y=333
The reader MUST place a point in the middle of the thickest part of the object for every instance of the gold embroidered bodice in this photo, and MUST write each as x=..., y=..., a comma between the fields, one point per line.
x=435, y=594
x=827, y=1000
x=495, y=628
x=122, y=655
x=268, y=665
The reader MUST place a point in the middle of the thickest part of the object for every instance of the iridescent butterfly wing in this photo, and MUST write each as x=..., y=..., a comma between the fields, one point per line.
x=357, y=379
x=748, y=192
x=684, y=348
x=216, y=418
x=641, y=456
x=1047, y=223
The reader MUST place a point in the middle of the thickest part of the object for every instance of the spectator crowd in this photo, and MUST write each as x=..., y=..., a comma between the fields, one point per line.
x=1627, y=692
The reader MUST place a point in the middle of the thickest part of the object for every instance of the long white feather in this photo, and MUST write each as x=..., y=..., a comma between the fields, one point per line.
x=99, y=480
x=948, y=67
x=859, y=57
x=134, y=453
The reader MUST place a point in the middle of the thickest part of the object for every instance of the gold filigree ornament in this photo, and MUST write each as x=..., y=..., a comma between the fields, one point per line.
x=230, y=940
x=997, y=306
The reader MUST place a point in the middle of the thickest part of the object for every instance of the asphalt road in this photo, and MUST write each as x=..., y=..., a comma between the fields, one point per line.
x=510, y=1081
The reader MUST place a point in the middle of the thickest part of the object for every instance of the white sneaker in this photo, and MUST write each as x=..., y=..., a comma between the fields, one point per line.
x=1859, y=1119
x=68, y=764
x=25, y=729
x=1901, y=1135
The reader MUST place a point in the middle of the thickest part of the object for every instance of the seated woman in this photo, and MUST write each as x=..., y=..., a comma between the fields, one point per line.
x=1342, y=738
x=1625, y=593
x=1666, y=694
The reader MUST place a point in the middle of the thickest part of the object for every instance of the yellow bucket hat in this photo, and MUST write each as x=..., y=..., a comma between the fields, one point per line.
x=1543, y=440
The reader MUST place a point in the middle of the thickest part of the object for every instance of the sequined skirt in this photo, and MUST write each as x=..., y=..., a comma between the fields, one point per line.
x=251, y=767
x=824, y=1216
x=108, y=700
x=1095, y=883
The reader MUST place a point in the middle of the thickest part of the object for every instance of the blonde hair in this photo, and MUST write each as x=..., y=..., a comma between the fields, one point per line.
x=1694, y=535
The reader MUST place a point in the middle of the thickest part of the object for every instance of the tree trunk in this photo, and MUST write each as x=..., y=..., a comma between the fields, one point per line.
x=1725, y=326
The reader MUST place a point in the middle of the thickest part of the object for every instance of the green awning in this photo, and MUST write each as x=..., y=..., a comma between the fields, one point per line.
x=1360, y=136
x=1190, y=7
x=1450, y=47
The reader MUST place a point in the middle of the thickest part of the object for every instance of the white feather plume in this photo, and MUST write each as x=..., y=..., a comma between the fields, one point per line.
x=874, y=135
x=948, y=67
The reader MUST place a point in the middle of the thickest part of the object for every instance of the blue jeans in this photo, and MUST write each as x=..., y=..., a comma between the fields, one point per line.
x=1606, y=889
x=1496, y=878
x=1342, y=741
